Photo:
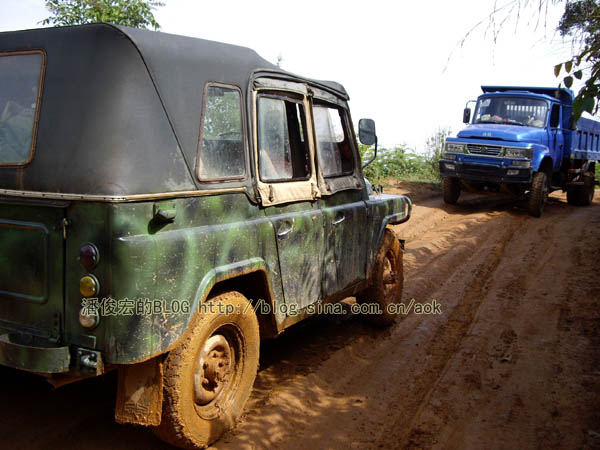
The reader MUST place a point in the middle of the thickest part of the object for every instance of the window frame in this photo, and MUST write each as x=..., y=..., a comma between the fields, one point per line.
x=36, y=115
x=555, y=107
x=347, y=135
x=304, y=123
x=243, y=176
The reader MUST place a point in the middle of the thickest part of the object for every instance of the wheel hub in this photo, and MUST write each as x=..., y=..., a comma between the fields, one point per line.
x=212, y=369
x=390, y=277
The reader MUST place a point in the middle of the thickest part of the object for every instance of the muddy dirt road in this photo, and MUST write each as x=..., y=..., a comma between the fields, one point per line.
x=512, y=361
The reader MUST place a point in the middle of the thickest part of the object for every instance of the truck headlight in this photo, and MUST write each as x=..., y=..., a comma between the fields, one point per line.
x=453, y=147
x=514, y=152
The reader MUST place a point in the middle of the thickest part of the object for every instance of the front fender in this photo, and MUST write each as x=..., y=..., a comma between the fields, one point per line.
x=539, y=153
x=385, y=210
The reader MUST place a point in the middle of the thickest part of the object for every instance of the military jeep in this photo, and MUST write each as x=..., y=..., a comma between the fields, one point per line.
x=165, y=204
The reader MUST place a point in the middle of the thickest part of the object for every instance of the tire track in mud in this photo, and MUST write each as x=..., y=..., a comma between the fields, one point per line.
x=443, y=346
x=485, y=380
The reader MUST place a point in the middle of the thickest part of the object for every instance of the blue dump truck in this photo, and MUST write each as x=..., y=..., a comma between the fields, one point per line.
x=523, y=141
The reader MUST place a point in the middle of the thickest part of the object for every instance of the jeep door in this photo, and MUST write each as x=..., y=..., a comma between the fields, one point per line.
x=287, y=185
x=342, y=199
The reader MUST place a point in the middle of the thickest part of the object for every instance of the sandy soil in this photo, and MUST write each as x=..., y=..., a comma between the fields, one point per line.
x=512, y=361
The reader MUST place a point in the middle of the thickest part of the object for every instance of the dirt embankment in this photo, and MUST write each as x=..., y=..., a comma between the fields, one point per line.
x=512, y=361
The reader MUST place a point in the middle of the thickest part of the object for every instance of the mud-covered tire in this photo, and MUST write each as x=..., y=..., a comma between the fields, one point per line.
x=537, y=194
x=387, y=281
x=451, y=190
x=218, y=359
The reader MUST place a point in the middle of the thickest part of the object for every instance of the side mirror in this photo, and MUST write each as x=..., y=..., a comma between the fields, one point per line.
x=366, y=131
x=466, y=115
x=367, y=136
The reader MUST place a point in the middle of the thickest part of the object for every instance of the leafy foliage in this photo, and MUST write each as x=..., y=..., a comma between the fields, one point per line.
x=401, y=163
x=581, y=21
x=132, y=13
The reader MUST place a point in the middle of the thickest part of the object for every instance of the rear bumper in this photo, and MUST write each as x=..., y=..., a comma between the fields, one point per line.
x=34, y=359
x=49, y=359
x=490, y=173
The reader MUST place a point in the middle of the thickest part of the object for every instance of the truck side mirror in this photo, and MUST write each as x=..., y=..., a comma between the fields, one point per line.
x=466, y=115
x=366, y=131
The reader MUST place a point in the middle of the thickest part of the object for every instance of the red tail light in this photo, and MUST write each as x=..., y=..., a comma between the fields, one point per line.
x=88, y=256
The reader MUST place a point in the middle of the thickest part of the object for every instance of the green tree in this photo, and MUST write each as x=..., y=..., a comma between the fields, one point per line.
x=434, y=147
x=132, y=13
x=581, y=22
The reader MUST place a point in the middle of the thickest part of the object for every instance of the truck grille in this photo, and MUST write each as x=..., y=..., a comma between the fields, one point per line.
x=492, y=150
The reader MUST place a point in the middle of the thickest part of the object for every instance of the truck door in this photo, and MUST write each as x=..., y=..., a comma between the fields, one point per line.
x=288, y=190
x=556, y=139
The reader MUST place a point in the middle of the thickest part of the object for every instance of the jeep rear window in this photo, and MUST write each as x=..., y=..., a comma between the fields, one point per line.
x=221, y=136
x=20, y=80
x=283, y=149
x=333, y=144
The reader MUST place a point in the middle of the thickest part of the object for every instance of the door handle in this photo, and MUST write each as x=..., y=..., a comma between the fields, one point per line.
x=339, y=219
x=284, y=229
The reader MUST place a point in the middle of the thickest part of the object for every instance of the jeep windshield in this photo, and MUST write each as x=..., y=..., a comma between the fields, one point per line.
x=511, y=111
x=19, y=91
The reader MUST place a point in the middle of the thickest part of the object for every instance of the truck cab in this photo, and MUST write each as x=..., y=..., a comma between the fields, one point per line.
x=518, y=141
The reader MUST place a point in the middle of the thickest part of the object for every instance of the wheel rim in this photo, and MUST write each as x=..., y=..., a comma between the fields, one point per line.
x=213, y=369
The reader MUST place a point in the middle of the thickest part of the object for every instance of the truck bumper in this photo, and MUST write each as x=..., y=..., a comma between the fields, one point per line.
x=490, y=173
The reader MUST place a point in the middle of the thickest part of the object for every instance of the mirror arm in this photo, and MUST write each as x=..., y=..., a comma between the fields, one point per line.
x=374, y=155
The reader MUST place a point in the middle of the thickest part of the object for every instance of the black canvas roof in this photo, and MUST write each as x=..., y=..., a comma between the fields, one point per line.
x=120, y=107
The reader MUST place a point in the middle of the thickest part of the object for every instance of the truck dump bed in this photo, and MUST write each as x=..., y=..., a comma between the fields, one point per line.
x=585, y=140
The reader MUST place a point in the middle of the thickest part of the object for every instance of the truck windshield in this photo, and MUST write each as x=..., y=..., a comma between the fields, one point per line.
x=19, y=88
x=511, y=111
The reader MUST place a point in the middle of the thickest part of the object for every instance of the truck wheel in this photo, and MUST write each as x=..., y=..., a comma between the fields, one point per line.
x=451, y=190
x=537, y=194
x=208, y=378
x=387, y=281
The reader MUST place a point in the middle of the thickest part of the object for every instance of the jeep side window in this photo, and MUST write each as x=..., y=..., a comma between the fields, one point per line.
x=20, y=74
x=282, y=144
x=221, y=137
x=333, y=144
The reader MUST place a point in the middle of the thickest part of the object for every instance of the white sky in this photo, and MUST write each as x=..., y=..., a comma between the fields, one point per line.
x=389, y=55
